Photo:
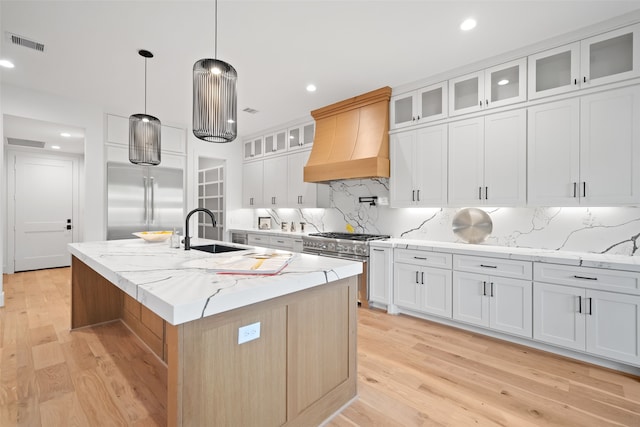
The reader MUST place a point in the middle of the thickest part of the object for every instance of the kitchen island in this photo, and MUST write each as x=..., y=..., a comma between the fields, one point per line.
x=298, y=367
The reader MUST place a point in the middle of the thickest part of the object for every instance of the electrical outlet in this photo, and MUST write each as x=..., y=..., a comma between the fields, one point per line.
x=383, y=201
x=248, y=333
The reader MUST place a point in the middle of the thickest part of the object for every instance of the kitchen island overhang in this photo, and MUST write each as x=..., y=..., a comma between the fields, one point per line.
x=303, y=365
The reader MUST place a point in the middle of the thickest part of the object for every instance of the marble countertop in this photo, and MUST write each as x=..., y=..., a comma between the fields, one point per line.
x=618, y=262
x=170, y=283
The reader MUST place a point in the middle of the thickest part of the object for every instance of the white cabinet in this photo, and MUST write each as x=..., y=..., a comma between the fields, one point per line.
x=380, y=275
x=276, y=183
x=487, y=160
x=253, y=148
x=419, y=286
x=300, y=194
x=252, y=180
x=420, y=106
x=500, y=299
x=275, y=143
x=301, y=136
x=499, y=303
x=585, y=151
x=497, y=86
x=275, y=241
x=599, y=322
x=606, y=58
x=419, y=167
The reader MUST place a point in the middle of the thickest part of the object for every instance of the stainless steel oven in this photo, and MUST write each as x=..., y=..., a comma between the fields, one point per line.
x=346, y=246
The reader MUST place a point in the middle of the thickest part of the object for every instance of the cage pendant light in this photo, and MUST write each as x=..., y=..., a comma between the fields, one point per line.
x=214, y=97
x=144, y=130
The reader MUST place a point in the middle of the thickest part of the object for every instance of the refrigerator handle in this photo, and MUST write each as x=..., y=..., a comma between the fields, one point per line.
x=146, y=204
x=153, y=203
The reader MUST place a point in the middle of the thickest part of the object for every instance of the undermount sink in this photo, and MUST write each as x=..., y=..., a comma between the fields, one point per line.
x=216, y=249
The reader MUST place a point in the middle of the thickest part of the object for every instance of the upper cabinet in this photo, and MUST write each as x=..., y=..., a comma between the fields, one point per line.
x=301, y=136
x=585, y=151
x=601, y=59
x=275, y=143
x=493, y=87
x=253, y=148
x=421, y=106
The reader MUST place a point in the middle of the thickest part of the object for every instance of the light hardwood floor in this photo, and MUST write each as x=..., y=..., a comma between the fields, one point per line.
x=411, y=373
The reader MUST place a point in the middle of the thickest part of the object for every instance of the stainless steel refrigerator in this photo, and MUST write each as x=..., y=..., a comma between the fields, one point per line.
x=143, y=198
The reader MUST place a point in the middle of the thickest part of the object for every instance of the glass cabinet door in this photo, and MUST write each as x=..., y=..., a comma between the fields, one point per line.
x=281, y=140
x=301, y=136
x=248, y=152
x=506, y=84
x=294, y=137
x=257, y=147
x=466, y=93
x=402, y=110
x=308, y=133
x=432, y=102
x=269, y=144
x=611, y=56
x=554, y=71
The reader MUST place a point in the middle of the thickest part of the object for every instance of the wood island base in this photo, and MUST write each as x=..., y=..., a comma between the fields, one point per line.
x=299, y=372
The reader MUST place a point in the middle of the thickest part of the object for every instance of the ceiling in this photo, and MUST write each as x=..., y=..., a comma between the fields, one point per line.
x=345, y=48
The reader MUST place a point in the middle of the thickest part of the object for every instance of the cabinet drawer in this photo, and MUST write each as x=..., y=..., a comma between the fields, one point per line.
x=258, y=240
x=588, y=277
x=493, y=266
x=423, y=258
x=281, y=242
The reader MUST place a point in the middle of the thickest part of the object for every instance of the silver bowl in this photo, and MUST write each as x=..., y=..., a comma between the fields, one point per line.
x=472, y=225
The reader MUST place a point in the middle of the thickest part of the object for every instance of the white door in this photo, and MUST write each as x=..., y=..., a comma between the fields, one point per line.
x=612, y=325
x=430, y=168
x=511, y=306
x=403, y=187
x=43, y=212
x=505, y=159
x=558, y=315
x=466, y=160
x=252, y=176
x=436, y=291
x=379, y=280
x=470, y=298
x=554, y=153
x=406, y=286
x=276, y=182
x=610, y=147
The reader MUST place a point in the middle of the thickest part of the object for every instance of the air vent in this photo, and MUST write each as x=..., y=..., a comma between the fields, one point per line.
x=25, y=142
x=25, y=42
x=250, y=110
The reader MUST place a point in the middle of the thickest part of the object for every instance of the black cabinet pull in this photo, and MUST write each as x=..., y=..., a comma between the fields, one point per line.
x=484, y=289
x=423, y=277
x=486, y=193
x=585, y=277
x=491, y=289
x=422, y=258
x=584, y=188
x=378, y=250
x=584, y=79
x=488, y=266
x=479, y=193
x=575, y=186
x=413, y=195
x=590, y=306
x=417, y=276
x=575, y=81
x=579, y=304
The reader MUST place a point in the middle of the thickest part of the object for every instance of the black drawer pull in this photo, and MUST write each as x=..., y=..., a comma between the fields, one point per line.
x=378, y=250
x=488, y=266
x=422, y=258
x=585, y=278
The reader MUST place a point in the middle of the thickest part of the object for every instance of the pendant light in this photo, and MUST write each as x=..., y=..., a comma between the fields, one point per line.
x=214, y=97
x=144, y=130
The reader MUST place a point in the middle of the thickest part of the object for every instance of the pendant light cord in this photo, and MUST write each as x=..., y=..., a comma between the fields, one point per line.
x=215, y=39
x=145, y=85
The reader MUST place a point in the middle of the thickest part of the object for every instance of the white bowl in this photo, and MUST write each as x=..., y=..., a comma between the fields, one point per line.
x=154, y=236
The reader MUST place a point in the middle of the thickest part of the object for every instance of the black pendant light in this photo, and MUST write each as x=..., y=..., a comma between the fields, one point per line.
x=214, y=97
x=144, y=130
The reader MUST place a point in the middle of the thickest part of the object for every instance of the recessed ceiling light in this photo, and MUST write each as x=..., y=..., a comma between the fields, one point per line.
x=6, y=63
x=503, y=82
x=65, y=134
x=55, y=147
x=468, y=24
x=311, y=88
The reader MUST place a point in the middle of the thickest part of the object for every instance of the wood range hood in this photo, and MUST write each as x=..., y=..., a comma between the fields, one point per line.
x=351, y=139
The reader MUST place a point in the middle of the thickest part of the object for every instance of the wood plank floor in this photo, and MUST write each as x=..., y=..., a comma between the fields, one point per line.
x=411, y=373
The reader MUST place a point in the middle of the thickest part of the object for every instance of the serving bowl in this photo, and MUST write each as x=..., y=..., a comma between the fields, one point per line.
x=154, y=236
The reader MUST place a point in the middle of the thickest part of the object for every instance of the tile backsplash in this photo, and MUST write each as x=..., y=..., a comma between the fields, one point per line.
x=614, y=230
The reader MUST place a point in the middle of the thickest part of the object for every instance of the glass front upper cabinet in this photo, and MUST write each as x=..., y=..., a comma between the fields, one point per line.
x=497, y=86
x=421, y=106
x=301, y=136
x=275, y=143
x=605, y=58
x=253, y=148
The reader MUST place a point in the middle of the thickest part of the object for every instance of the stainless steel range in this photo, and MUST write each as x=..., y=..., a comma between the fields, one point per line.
x=347, y=246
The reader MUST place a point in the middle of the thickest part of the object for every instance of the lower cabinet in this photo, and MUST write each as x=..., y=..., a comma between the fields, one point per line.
x=599, y=322
x=424, y=289
x=499, y=303
x=287, y=243
x=380, y=276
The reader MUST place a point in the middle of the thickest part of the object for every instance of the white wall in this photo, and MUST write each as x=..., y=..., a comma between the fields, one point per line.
x=2, y=190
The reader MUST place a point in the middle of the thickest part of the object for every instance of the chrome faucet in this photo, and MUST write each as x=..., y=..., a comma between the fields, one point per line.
x=187, y=239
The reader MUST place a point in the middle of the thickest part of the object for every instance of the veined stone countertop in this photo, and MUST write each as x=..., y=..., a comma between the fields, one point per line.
x=583, y=259
x=169, y=282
